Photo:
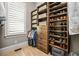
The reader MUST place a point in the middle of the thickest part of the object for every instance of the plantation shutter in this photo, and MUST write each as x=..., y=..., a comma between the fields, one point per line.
x=16, y=18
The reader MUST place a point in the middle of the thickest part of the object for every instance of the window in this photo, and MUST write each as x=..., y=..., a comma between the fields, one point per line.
x=16, y=13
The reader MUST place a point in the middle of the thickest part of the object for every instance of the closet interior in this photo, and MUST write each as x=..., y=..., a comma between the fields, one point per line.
x=51, y=21
x=42, y=41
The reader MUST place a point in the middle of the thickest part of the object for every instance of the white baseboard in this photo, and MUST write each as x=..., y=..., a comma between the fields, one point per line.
x=13, y=47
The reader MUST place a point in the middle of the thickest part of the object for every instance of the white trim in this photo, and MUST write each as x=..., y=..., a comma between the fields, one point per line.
x=13, y=47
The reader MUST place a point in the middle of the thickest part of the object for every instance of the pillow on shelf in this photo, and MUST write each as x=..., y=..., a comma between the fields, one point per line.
x=34, y=13
x=34, y=17
x=42, y=15
x=43, y=7
x=34, y=21
x=42, y=23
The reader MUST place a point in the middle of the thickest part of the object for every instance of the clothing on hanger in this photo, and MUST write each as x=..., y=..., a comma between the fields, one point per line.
x=34, y=35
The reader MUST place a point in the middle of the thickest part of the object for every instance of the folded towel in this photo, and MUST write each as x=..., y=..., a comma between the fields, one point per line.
x=42, y=8
x=34, y=13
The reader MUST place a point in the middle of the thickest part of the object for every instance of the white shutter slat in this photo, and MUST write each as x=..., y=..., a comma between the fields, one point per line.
x=16, y=18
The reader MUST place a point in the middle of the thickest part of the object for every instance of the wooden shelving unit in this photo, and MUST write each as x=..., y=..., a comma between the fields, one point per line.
x=34, y=19
x=42, y=42
x=42, y=13
x=58, y=26
x=52, y=29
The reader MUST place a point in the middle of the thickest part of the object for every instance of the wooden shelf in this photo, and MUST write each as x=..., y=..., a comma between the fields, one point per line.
x=34, y=19
x=58, y=47
x=57, y=31
x=58, y=6
x=44, y=18
x=59, y=26
x=34, y=15
x=55, y=11
x=58, y=36
x=42, y=4
x=57, y=21
x=58, y=42
x=60, y=14
x=42, y=11
x=53, y=4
